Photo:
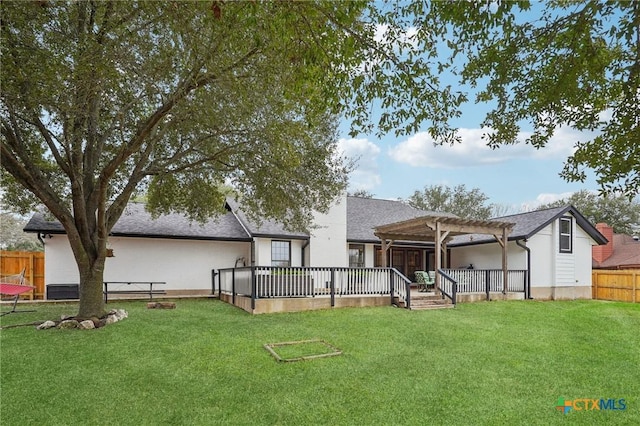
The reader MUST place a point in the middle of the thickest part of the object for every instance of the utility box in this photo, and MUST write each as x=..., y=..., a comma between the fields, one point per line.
x=63, y=291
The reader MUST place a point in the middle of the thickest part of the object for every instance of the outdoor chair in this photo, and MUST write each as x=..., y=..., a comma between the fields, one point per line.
x=425, y=280
x=14, y=285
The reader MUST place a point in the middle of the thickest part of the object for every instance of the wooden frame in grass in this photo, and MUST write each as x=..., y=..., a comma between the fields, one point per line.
x=331, y=350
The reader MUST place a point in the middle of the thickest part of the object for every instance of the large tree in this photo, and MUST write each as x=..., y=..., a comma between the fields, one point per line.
x=463, y=202
x=102, y=101
x=616, y=211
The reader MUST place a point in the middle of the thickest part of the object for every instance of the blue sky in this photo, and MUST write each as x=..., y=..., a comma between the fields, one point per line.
x=517, y=176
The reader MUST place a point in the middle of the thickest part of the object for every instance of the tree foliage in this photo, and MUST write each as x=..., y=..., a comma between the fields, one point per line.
x=622, y=214
x=561, y=63
x=13, y=238
x=360, y=193
x=463, y=202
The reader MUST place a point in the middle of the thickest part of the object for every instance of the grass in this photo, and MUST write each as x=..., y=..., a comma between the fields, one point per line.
x=204, y=363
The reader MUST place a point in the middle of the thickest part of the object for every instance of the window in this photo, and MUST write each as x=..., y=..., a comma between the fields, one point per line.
x=566, y=234
x=356, y=256
x=280, y=253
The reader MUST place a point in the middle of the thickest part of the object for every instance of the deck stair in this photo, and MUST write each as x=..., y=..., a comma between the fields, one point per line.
x=431, y=300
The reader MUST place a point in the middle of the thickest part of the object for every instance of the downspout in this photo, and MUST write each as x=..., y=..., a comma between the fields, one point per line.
x=304, y=246
x=527, y=289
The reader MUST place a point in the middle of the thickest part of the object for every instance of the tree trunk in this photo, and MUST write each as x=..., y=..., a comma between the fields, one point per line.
x=91, y=282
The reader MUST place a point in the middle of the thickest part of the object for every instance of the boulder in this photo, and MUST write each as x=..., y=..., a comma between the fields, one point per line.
x=45, y=325
x=68, y=324
x=86, y=325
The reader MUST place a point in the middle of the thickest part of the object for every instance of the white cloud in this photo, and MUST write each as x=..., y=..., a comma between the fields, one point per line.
x=420, y=151
x=544, y=198
x=364, y=153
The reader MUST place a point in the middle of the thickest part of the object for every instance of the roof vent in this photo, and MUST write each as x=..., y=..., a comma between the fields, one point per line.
x=636, y=238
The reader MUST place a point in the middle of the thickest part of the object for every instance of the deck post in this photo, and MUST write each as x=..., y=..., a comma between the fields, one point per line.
x=438, y=254
x=253, y=288
x=487, y=278
x=505, y=277
x=391, y=286
x=333, y=287
x=233, y=286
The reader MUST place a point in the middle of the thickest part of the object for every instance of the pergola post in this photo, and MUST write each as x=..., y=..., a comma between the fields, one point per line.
x=502, y=240
x=386, y=245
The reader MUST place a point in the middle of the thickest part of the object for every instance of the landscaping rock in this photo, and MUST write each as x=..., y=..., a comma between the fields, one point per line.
x=86, y=325
x=68, y=324
x=120, y=314
x=46, y=325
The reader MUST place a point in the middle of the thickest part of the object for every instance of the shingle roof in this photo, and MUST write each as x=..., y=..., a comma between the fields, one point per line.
x=268, y=227
x=626, y=254
x=137, y=222
x=365, y=214
x=530, y=223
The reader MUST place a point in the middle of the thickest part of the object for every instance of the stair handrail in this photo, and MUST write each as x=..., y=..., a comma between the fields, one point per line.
x=454, y=286
x=407, y=288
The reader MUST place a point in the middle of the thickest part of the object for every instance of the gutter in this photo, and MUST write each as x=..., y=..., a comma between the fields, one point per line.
x=527, y=288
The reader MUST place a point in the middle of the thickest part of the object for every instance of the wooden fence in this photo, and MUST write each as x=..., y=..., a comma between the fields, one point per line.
x=13, y=262
x=622, y=285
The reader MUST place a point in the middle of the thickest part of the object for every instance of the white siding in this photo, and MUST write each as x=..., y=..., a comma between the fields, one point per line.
x=564, y=262
x=488, y=256
x=328, y=241
x=262, y=248
x=182, y=264
x=583, y=244
x=543, y=253
x=263, y=251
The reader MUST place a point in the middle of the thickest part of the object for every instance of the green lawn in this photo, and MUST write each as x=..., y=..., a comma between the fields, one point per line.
x=204, y=363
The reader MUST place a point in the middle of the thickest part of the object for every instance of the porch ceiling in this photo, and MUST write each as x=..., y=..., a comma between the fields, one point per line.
x=424, y=228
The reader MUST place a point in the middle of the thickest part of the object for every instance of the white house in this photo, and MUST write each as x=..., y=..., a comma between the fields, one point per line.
x=554, y=246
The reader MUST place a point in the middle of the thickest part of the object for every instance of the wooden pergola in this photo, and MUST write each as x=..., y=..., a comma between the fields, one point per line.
x=440, y=230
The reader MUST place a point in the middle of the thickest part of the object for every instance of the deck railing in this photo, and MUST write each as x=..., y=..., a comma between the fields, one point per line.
x=487, y=280
x=260, y=282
